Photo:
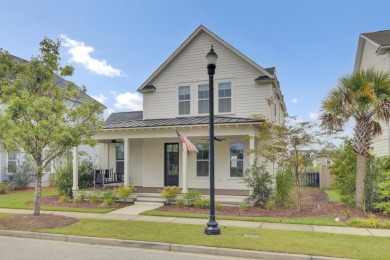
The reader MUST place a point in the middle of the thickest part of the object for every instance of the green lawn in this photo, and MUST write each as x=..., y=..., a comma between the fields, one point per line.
x=5, y=215
x=310, y=243
x=334, y=195
x=322, y=221
x=20, y=200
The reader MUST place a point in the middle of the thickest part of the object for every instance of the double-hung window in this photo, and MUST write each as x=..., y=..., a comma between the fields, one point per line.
x=184, y=100
x=203, y=99
x=225, y=97
x=202, y=160
x=236, y=159
x=12, y=162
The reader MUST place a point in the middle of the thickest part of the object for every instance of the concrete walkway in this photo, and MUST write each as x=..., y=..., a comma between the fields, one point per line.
x=132, y=213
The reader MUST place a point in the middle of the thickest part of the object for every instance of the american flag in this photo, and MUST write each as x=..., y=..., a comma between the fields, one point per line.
x=189, y=145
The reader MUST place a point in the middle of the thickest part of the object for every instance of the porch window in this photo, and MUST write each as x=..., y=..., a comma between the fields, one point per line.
x=202, y=160
x=225, y=97
x=119, y=156
x=236, y=159
x=12, y=162
x=184, y=100
x=203, y=99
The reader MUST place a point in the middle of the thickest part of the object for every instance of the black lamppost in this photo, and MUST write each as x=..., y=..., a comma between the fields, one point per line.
x=212, y=226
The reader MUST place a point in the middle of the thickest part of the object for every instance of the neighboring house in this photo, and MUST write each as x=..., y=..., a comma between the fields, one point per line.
x=374, y=52
x=10, y=161
x=144, y=144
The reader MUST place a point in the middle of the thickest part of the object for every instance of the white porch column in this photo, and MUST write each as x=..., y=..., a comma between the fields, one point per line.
x=75, y=168
x=184, y=168
x=126, y=160
x=252, y=155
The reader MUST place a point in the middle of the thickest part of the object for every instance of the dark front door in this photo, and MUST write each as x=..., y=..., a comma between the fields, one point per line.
x=171, y=167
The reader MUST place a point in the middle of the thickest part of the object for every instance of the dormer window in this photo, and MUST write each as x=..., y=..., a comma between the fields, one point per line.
x=184, y=100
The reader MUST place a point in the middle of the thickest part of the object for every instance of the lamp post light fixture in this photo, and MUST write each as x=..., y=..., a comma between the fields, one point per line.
x=212, y=226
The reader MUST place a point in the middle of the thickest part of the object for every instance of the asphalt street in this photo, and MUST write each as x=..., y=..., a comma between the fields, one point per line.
x=33, y=249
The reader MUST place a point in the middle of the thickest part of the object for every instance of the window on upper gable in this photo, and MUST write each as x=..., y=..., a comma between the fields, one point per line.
x=184, y=100
x=203, y=99
x=225, y=97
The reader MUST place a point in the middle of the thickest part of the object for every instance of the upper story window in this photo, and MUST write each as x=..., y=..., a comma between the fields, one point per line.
x=203, y=99
x=225, y=97
x=202, y=160
x=184, y=100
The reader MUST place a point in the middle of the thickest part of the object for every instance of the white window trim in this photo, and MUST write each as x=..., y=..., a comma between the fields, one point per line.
x=243, y=160
x=216, y=96
x=196, y=96
x=191, y=98
x=203, y=160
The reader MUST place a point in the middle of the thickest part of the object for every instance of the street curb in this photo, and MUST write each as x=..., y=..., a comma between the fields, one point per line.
x=163, y=246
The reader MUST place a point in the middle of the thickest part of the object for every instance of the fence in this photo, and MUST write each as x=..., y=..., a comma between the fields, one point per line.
x=309, y=179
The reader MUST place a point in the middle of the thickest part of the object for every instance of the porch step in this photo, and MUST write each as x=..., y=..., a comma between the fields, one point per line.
x=149, y=199
x=150, y=203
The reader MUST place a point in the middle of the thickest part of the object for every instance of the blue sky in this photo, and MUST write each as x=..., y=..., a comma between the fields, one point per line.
x=116, y=45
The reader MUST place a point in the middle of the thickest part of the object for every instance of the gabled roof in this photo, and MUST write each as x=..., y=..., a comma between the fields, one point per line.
x=134, y=120
x=381, y=37
x=199, y=30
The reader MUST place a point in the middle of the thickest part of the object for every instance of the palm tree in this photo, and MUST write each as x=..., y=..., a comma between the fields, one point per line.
x=365, y=97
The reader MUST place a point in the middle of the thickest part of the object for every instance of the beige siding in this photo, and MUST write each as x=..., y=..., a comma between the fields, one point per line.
x=381, y=143
x=154, y=163
x=189, y=67
x=136, y=162
x=372, y=60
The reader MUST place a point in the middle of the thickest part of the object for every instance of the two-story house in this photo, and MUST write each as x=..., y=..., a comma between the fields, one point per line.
x=144, y=144
x=374, y=52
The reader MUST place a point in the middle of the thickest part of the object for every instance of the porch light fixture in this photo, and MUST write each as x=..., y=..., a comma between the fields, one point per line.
x=212, y=226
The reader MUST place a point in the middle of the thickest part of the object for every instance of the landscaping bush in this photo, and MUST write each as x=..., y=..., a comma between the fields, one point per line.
x=369, y=223
x=180, y=203
x=270, y=205
x=258, y=179
x=64, y=198
x=94, y=197
x=190, y=197
x=170, y=193
x=78, y=200
x=283, y=187
x=64, y=179
x=243, y=206
x=86, y=174
x=24, y=174
x=108, y=201
x=218, y=206
x=4, y=188
x=124, y=192
x=202, y=203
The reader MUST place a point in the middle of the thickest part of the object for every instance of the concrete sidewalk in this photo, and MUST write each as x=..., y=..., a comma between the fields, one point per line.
x=131, y=213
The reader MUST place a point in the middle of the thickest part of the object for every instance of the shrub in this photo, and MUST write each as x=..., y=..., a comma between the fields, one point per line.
x=108, y=201
x=369, y=223
x=201, y=203
x=124, y=192
x=24, y=174
x=170, y=193
x=218, y=206
x=94, y=197
x=64, y=179
x=284, y=187
x=4, y=188
x=64, y=198
x=78, y=200
x=85, y=174
x=180, y=203
x=243, y=206
x=270, y=205
x=258, y=179
x=190, y=197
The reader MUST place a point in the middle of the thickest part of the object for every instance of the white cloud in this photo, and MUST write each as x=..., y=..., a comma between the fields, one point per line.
x=128, y=101
x=314, y=116
x=100, y=98
x=81, y=54
x=294, y=100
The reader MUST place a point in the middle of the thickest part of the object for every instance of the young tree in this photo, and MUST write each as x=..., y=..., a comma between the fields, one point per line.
x=365, y=97
x=38, y=115
x=287, y=145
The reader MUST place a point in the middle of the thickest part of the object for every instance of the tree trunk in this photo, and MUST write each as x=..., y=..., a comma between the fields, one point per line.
x=299, y=195
x=37, y=198
x=360, y=181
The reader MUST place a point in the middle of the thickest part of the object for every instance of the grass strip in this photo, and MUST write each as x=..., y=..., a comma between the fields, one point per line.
x=19, y=201
x=295, y=242
x=321, y=221
x=334, y=195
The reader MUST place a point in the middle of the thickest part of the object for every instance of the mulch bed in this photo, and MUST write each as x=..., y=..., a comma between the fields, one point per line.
x=315, y=203
x=31, y=222
x=54, y=201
